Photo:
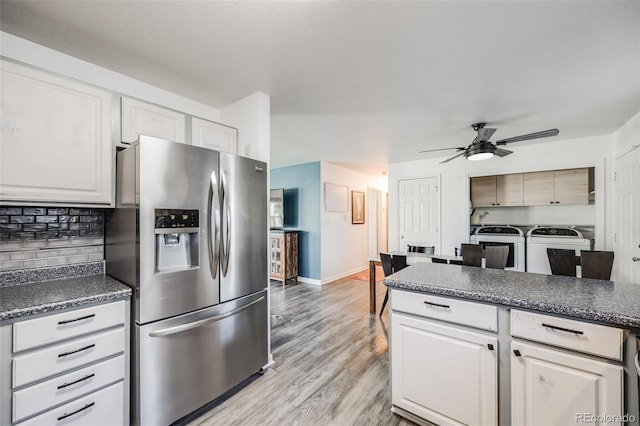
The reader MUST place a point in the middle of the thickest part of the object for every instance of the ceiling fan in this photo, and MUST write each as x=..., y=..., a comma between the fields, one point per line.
x=481, y=148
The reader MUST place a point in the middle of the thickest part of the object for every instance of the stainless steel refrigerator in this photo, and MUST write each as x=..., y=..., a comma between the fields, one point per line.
x=189, y=236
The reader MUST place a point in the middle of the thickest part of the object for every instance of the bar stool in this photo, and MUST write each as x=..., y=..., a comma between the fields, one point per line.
x=471, y=254
x=596, y=264
x=562, y=261
x=391, y=264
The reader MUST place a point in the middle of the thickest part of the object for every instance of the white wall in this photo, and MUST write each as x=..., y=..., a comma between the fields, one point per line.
x=344, y=246
x=454, y=180
x=627, y=136
x=252, y=117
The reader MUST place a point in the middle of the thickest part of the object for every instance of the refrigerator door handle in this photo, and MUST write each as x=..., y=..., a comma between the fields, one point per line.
x=226, y=242
x=190, y=326
x=214, y=225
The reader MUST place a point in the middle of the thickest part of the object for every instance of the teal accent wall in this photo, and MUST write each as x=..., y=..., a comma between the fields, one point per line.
x=302, y=191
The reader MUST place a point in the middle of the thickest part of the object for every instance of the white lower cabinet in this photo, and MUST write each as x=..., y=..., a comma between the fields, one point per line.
x=67, y=368
x=102, y=408
x=444, y=374
x=445, y=367
x=550, y=387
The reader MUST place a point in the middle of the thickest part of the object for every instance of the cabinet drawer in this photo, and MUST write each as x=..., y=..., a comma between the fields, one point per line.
x=36, y=332
x=105, y=407
x=56, y=359
x=443, y=308
x=577, y=335
x=34, y=399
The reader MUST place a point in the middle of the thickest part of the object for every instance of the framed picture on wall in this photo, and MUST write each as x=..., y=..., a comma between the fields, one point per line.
x=336, y=198
x=357, y=207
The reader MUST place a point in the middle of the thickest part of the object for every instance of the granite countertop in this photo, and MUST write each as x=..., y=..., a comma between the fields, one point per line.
x=47, y=296
x=609, y=302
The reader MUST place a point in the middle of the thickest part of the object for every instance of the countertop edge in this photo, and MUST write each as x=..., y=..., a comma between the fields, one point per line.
x=609, y=318
x=66, y=304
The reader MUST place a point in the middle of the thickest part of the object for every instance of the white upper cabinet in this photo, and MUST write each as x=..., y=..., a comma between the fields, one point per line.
x=219, y=137
x=140, y=118
x=55, y=144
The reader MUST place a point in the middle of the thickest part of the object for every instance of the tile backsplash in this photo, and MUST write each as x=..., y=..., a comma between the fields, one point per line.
x=32, y=237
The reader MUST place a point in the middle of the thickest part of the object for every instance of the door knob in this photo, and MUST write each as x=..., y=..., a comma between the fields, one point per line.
x=636, y=259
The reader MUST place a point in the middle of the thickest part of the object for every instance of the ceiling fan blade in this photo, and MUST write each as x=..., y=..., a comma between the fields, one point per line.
x=441, y=149
x=502, y=152
x=485, y=134
x=536, y=135
x=454, y=157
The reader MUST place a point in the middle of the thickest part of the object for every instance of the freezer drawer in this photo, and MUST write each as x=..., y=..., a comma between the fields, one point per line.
x=201, y=356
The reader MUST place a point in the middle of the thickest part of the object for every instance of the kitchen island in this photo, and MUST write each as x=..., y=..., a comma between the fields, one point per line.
x=484, y=346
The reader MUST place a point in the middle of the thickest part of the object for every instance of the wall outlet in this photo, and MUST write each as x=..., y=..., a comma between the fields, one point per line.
x=247, y=150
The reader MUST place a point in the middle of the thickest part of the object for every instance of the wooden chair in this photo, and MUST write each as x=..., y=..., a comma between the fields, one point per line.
x=387, y=267
x=596, y=264
x=471, y=254
x=496, y=256
x=438, y=260
x=562, y=261
x=398, y=261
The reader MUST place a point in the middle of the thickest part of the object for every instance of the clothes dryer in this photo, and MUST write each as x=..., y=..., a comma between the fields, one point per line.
x=503, y=235
x=542, y=237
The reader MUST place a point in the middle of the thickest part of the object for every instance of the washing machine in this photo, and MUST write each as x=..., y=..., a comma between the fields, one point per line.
x=540, y=238
x=503, y=235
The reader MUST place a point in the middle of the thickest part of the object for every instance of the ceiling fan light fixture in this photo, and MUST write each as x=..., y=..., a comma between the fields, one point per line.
x=481, y=151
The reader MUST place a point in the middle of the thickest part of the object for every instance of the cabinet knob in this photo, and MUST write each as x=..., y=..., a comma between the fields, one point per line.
x=517, y=352
x=635, y=259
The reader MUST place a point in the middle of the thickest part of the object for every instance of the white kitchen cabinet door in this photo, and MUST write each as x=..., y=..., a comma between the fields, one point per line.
x=218, y=137
x=141, y=118
x=446, y=375
x=55, y=144
x=549, y=387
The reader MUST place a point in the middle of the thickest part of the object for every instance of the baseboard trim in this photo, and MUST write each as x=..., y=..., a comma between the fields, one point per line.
x=344, y=275
x=309, y=281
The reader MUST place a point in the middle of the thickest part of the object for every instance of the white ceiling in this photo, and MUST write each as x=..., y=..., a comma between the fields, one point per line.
x=368, y=83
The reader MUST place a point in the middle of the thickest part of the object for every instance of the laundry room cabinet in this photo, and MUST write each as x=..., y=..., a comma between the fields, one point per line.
x=566, y=187
x=499, y=190
x=553, y=187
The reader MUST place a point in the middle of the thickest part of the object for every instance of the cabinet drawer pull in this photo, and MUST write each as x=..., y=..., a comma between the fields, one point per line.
x=437, y=304
x=568, y=330
x=489, y=346
x=64, y=416
x=76, y=319
x=64, y=385
x=76, y=351
x=517, y=352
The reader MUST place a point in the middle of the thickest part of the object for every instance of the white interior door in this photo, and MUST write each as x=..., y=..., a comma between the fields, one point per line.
x=627, y=240
x=373, y=203
x=418, y=213
x=377, y=217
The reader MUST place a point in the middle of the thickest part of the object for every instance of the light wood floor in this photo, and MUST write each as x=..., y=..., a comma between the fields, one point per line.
x=331, y=363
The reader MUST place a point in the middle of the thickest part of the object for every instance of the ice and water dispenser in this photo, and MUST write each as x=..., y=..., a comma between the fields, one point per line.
x=177, y=239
